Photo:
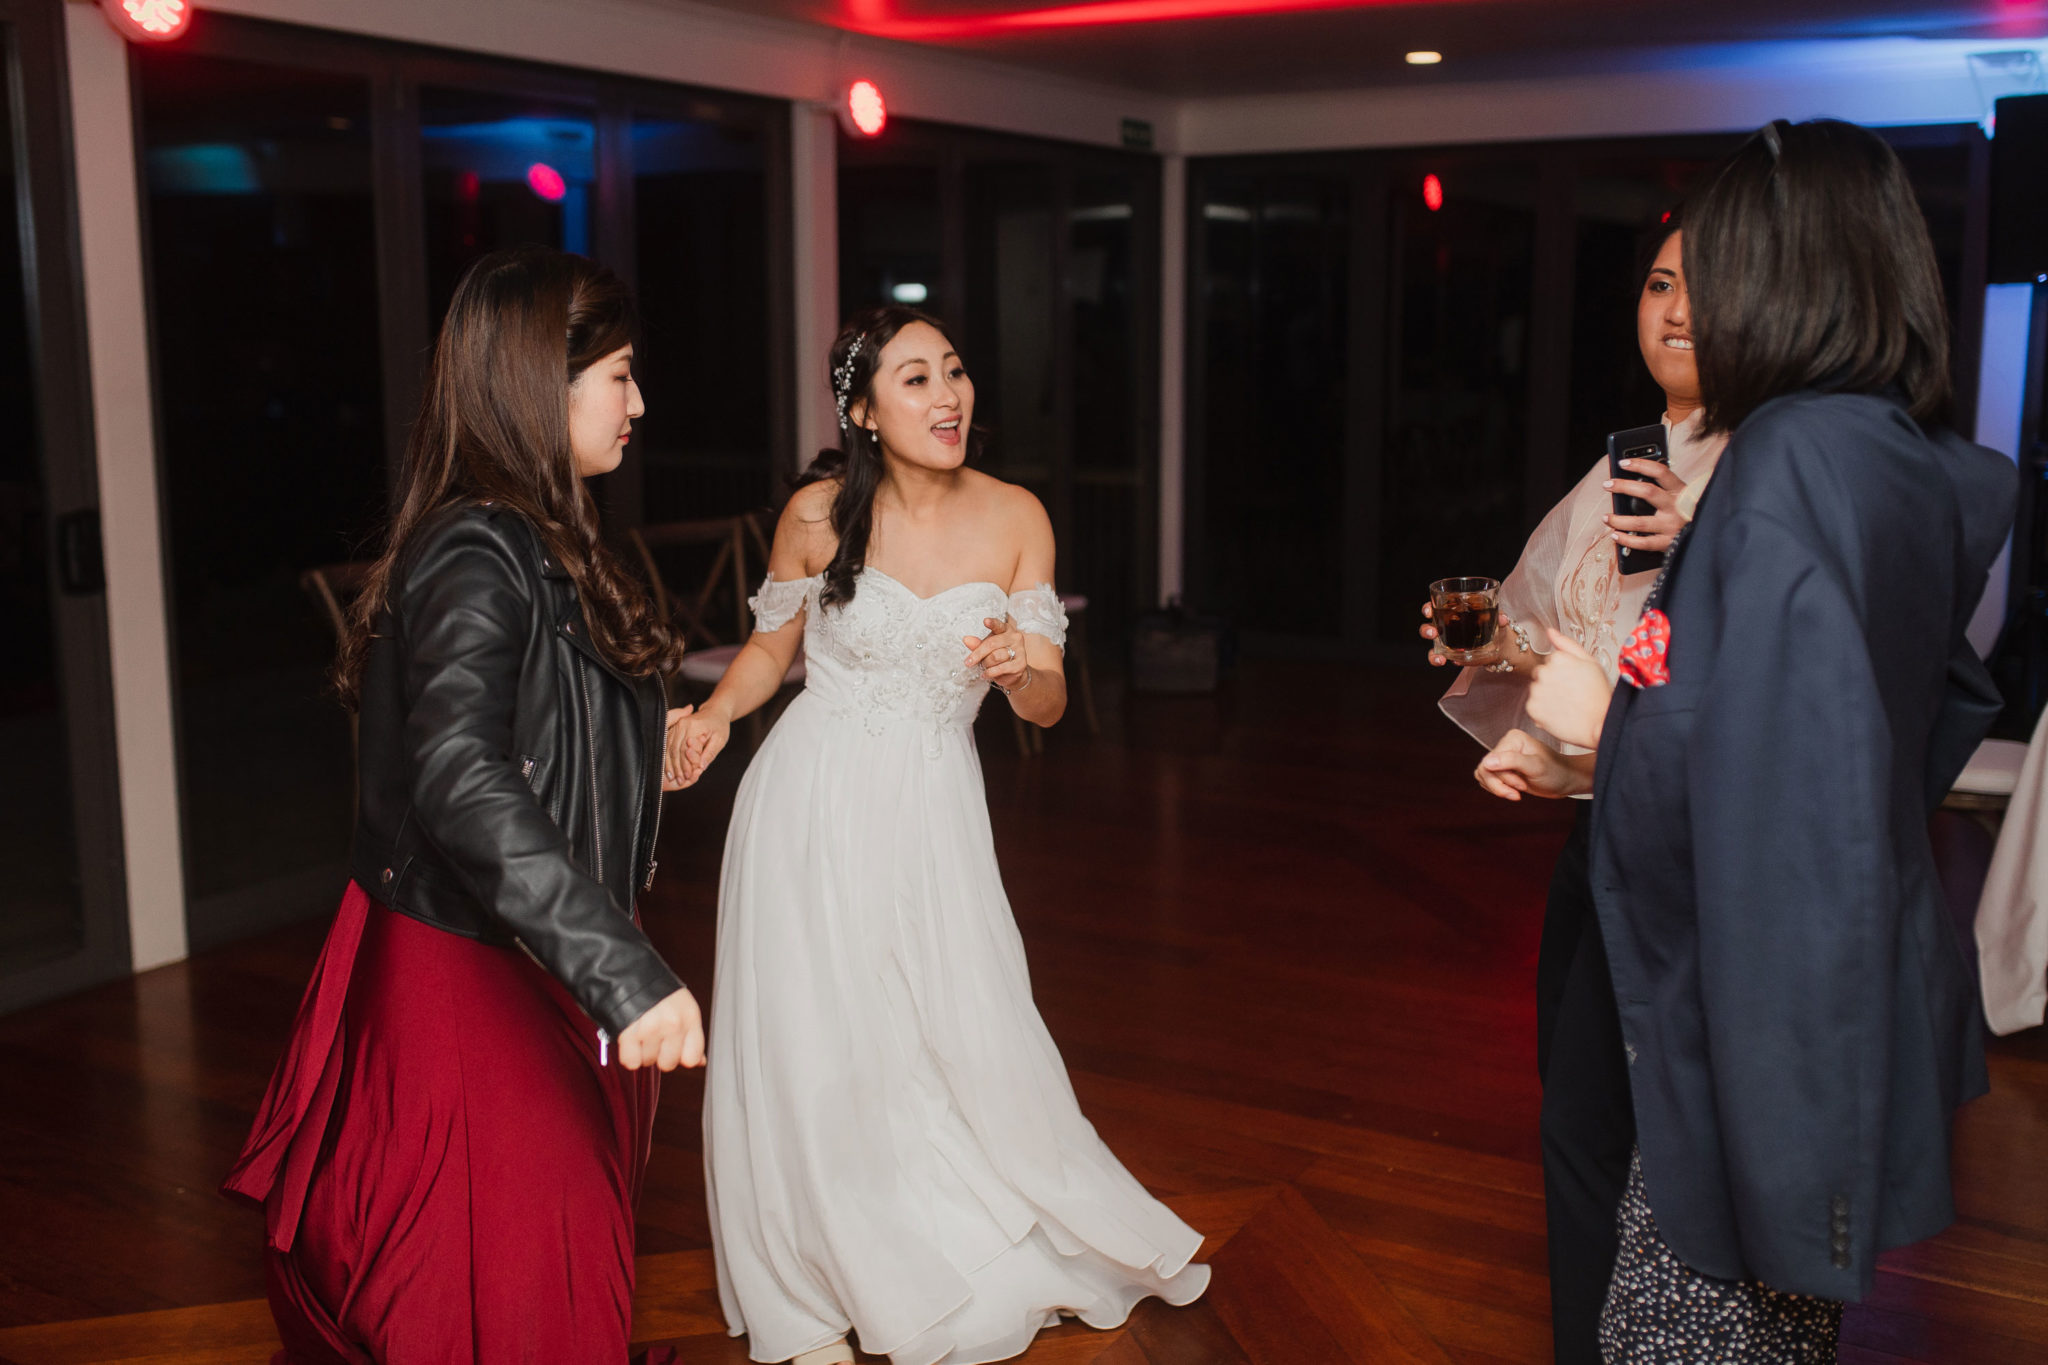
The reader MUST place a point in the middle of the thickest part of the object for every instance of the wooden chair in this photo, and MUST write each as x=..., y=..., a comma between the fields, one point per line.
x=714, y=619
x=333, y=587
x=1030, y=738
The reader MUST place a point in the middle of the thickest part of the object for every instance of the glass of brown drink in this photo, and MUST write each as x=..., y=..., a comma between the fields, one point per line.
x=1466, y=611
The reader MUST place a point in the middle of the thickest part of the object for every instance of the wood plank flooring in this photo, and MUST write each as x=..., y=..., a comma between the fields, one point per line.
x=1286, y=947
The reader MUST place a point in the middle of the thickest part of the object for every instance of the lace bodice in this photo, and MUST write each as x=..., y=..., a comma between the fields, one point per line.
x=890, y=658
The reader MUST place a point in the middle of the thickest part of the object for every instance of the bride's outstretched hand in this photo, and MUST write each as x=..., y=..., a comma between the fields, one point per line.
x=999, y=656
x=694, y=739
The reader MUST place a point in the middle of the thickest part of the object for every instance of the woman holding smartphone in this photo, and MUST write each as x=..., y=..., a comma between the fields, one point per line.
x=1799, y=1018
x=1573, y=581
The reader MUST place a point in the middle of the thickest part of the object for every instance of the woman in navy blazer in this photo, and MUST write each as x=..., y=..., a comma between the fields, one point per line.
x=1799, y=1018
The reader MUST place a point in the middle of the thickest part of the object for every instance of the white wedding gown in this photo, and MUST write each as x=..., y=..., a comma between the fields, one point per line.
x=890, y=1139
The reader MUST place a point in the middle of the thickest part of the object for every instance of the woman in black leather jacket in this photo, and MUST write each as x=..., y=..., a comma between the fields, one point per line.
x=451, y=1148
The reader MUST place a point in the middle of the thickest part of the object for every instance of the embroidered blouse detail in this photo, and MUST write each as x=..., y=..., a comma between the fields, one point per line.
x=1569, y=580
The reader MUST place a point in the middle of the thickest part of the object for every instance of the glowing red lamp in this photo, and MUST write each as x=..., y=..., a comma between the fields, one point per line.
x=1432, y=193
x=148, y=21
x=867, y=113
x=545, y=181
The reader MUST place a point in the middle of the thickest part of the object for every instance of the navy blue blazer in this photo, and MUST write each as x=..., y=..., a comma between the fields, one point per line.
x=1800, y=1020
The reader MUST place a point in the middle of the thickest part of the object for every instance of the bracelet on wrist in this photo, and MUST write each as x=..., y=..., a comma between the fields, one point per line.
x=1029, y=674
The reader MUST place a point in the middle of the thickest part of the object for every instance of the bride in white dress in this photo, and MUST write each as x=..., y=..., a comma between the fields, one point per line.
x=892, y=1146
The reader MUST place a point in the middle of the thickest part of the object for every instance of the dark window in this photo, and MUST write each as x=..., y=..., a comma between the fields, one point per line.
x=1491, y=347
x=889, y=225
x=264, y=277
x=45, y=908
x=701, y=244
x=1041, y=257
x=312, y=201
x=1271, y=396
x=1011, y=315
x=1114, y=404
x=1457, y=403
x=501, y=171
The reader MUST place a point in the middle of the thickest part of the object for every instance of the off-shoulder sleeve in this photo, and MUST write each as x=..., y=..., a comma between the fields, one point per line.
x=779, y=603
x=1037, y=611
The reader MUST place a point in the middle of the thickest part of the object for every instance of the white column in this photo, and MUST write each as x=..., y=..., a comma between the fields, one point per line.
x=110, y=242
x=2001, y=405
x=814, y=203
x=1173, y=314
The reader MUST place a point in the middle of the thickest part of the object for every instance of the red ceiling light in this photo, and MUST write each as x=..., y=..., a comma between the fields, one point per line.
x=880, y=20
x=148, y=21
x=864, y=110
x=1432, y=193
x=545, y=181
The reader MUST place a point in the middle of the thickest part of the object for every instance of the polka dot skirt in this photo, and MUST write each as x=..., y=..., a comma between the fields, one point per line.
x=1661, y=1311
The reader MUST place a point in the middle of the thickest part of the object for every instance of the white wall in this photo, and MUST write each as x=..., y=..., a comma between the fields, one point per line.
x=814, y=200
x=110, y=242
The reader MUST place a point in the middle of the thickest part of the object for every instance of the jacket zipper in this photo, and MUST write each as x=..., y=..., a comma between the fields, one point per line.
x=654, y=838
x=590, y=735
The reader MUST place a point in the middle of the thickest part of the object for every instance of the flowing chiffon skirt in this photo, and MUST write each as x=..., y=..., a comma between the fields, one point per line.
x=447, y=1171
x=891, y=1140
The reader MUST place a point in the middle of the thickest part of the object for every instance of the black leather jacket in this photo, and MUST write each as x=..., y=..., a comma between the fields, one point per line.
x=510, y=782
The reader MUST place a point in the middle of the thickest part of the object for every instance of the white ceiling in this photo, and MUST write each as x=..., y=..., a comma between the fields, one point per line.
x=1272, y=46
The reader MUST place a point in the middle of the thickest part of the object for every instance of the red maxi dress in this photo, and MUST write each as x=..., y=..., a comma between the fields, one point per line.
x=447, y=1165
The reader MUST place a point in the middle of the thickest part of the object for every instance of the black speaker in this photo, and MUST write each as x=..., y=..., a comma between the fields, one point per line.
x=2019, y=191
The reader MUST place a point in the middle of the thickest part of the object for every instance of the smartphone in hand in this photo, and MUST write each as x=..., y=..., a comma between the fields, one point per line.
x=1637, y=443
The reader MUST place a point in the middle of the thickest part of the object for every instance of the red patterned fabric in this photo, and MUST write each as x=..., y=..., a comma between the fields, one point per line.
x=1643, y=654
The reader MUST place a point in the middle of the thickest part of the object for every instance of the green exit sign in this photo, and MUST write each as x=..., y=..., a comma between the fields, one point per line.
x=1138, y=134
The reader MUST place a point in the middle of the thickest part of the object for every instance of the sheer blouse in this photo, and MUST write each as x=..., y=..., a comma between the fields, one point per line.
x=1569, y=579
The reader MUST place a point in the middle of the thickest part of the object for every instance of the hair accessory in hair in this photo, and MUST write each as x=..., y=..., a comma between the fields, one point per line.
x=842, y=377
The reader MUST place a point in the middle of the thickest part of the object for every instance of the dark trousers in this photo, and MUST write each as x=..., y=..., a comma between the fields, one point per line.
x=1588, y=1126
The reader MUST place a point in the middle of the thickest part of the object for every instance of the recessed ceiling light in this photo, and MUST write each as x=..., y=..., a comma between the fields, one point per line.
x=1424, y=58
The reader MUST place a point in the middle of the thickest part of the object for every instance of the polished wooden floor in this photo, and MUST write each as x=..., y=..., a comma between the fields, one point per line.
x=1286, y=947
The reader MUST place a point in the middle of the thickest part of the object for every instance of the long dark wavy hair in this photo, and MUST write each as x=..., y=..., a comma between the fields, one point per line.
x=855, y=464
x=494, y=427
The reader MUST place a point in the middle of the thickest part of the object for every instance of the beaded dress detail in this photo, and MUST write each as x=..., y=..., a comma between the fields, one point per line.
x=891, y=1142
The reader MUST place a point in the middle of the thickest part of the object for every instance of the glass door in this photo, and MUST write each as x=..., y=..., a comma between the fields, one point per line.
x=264, y=282
x=711, y=441
x=1266, y=504
x=64, y=924
x=1460, y=272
